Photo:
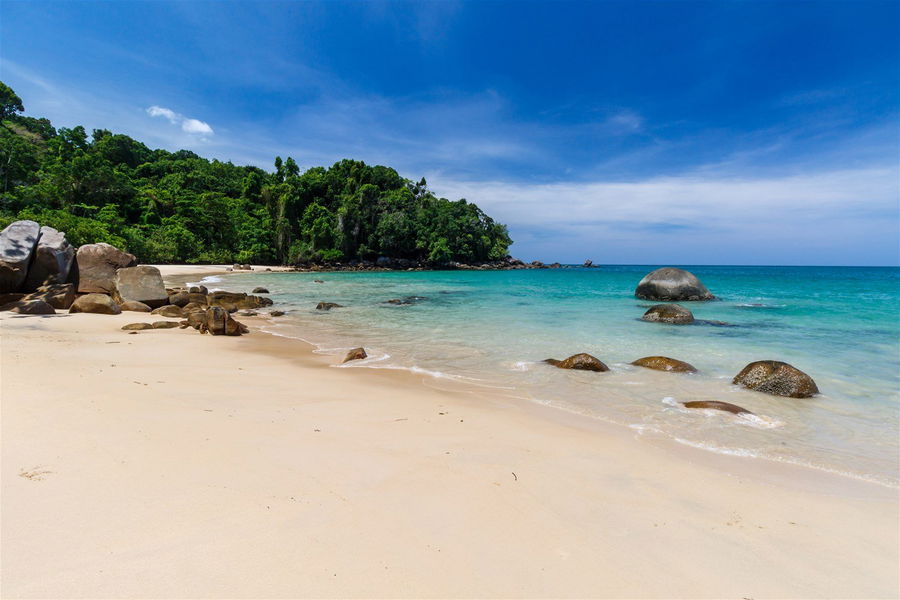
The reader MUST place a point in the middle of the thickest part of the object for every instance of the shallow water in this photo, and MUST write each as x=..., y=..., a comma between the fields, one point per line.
x=838, y=324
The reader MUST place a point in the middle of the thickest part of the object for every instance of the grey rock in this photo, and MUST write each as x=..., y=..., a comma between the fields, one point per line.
x=53, y=258
x=142, y=283
x=17, y=244
x=672, y=284
x=97, y=265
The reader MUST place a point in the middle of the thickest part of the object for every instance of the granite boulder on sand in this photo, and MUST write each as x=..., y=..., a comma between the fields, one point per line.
x=17, y=243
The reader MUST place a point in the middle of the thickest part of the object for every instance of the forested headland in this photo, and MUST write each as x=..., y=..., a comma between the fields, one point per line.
x=178, y=207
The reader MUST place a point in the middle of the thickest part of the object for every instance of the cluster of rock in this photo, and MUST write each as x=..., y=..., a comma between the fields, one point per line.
x=769, y=376
x=40, y=273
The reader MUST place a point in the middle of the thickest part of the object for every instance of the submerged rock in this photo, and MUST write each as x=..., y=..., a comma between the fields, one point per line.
x=277, y=313
x=356, y=354
x=259, y=290
x=580, y=361
x=715, y=405
x=327, y=306
x=17, y=244
x=777, y=378
x=668, y=313
x=672, y=284
x=95, y=303
x=664, y=363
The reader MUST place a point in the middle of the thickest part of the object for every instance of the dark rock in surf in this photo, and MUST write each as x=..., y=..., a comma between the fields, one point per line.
x=715, y=405
x=580, y=361
x=327, y=306
x=664, y=363
x=356, y=354
x=776, y=378
x=668, y=313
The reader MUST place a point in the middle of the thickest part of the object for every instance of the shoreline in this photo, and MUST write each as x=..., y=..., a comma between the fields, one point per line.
x=432, y=509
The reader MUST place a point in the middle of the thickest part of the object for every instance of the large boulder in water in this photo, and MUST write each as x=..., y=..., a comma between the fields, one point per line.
x=668, y=313
x=580, y=361
x=53, y=258
x=777, y=378
x=97, y=265
x=17, y=243
x=671, y=284
x=142, y=284
x=664, y=363
x=95, y=303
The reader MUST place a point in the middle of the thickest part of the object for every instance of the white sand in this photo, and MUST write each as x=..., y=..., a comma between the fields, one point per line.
x=173, y=464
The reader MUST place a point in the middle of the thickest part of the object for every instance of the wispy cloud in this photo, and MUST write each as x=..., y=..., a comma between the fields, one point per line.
x=849, y=214
x=188, y=125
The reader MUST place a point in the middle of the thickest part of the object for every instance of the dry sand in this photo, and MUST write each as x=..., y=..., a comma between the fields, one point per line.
x=171, y=464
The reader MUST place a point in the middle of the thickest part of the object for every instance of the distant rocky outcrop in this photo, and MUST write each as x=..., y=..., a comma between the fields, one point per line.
x=17, y=243
x=97, y=265
x=668, y=313
x=664, y=363
x=672, y=284
x=777, y=378
x=580, y=361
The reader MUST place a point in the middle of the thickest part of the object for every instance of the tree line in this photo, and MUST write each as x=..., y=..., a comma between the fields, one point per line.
x=177, y=207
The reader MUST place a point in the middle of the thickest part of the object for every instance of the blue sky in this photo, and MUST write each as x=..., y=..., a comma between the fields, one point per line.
x=626, y=132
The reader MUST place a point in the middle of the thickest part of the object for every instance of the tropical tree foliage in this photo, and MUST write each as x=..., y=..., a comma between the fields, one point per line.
x=178, y=207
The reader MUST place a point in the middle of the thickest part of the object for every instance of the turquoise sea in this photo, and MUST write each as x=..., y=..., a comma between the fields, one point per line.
x=493, y=328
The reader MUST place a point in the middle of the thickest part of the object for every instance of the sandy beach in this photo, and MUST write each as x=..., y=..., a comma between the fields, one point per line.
x=172, y=464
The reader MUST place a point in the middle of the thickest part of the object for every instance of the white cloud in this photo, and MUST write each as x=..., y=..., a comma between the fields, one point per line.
x=835, y=217
x=188, y=125
x=195, y=126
